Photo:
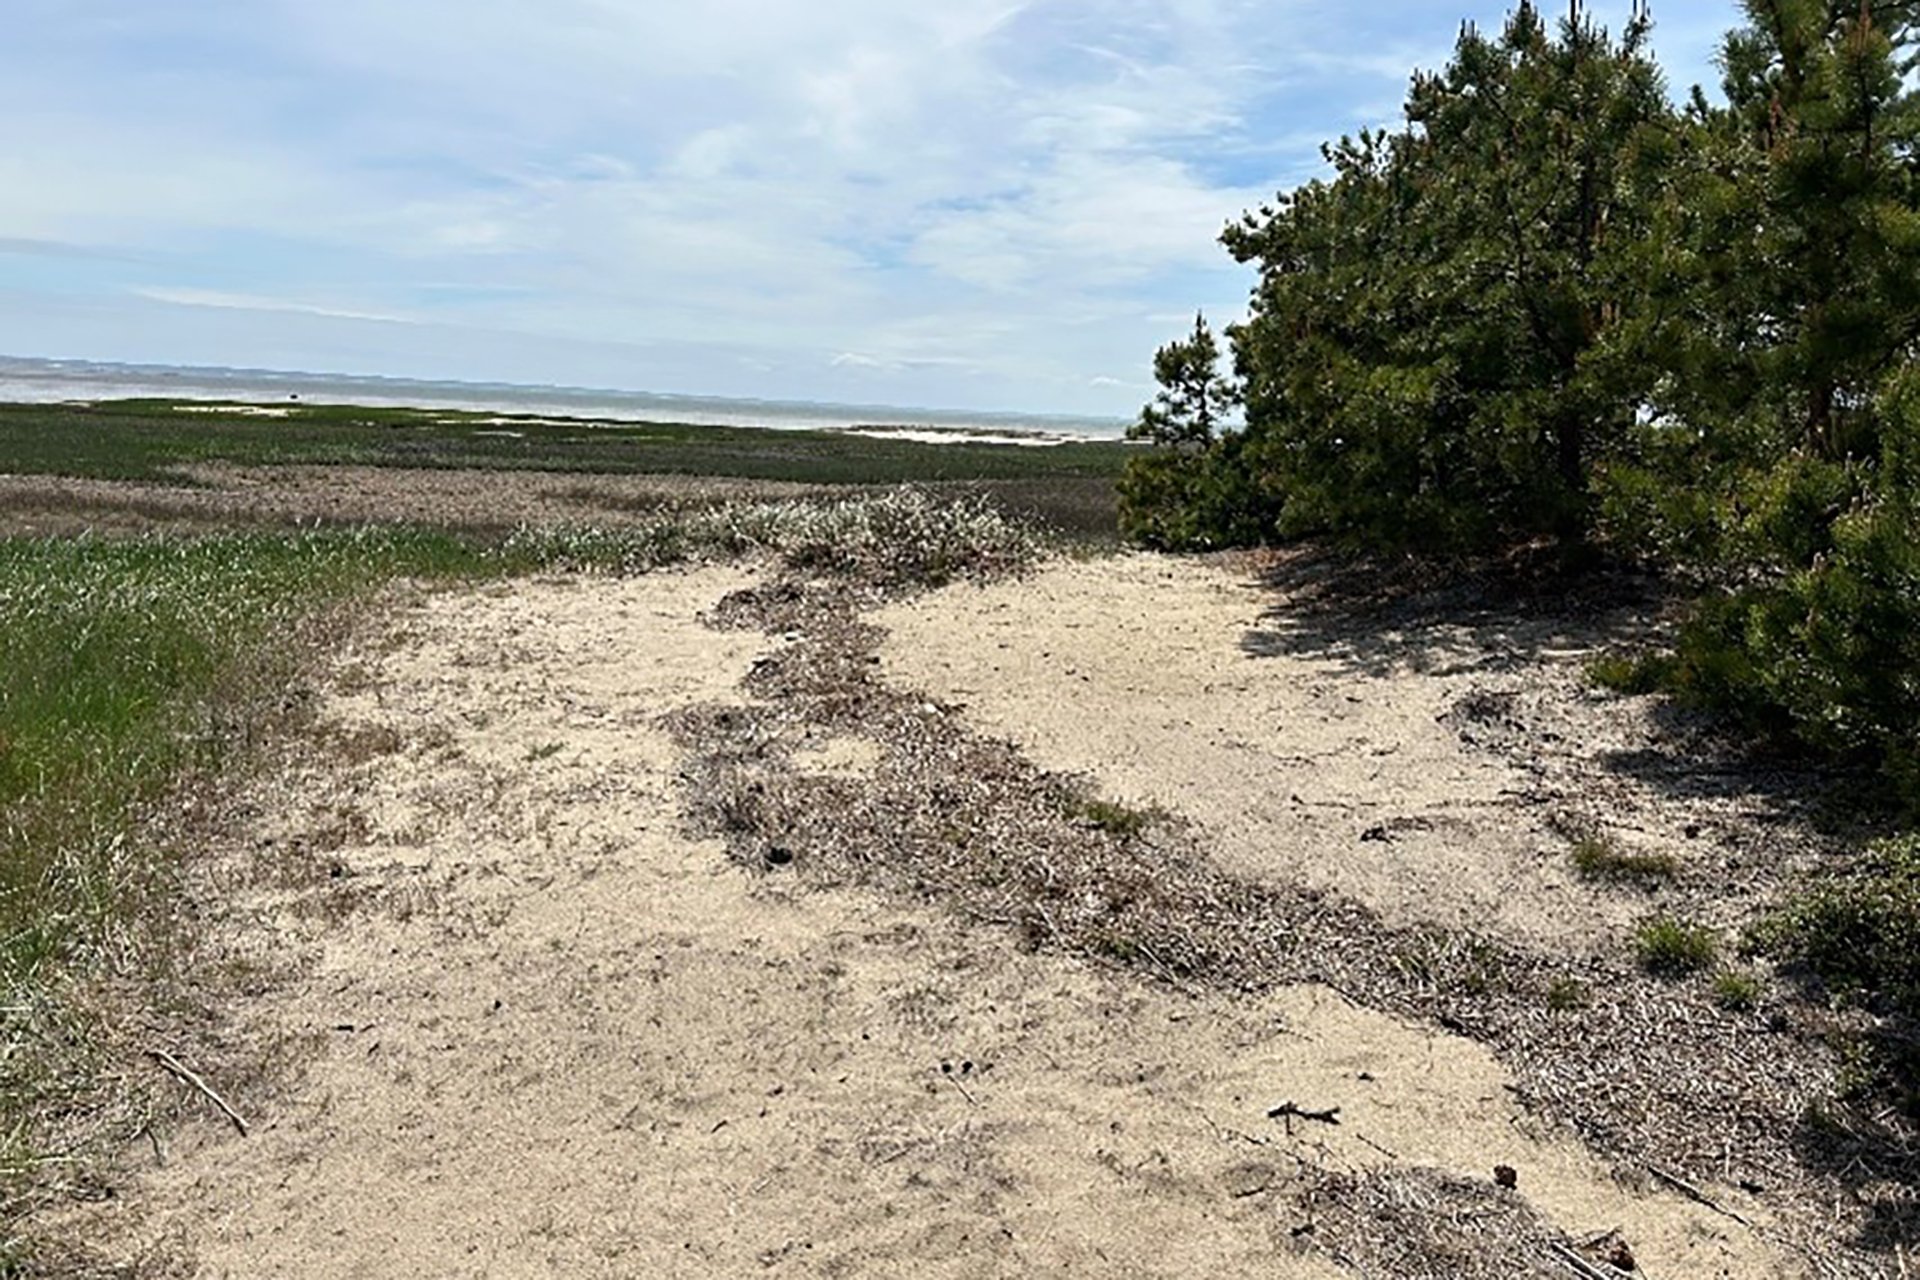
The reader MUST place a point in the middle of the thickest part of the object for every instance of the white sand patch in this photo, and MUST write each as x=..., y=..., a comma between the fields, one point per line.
x=524, y=422
x=933, y=436
x=847, y=757
x=1298, y=767
x=237, y=410
x=574, y=1042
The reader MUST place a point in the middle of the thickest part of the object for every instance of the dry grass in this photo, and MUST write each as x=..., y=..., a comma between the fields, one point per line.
x=1422, y=1222
x=1598, y=858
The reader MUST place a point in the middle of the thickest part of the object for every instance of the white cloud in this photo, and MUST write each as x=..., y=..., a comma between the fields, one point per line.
x=249, y=302
x=972, y=198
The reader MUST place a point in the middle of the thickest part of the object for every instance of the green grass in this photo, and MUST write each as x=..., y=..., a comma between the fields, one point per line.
x=127, y=667
x=1565, y=995
x=1858, y=929
x=1632, y=673
x=1113, y=818
x=1671, y=948
x=1597, y=858
x=1737, y=990
x=111, y=658
x=142, y=439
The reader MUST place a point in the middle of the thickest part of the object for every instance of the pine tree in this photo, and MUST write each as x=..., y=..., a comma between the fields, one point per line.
x=1438, y=351
x=1792, y=377
x=1194, y=396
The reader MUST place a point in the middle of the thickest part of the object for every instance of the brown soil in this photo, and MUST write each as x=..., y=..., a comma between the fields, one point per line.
x=552, y=1033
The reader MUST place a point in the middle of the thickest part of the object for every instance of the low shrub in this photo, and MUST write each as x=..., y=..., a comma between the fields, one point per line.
x=1181, y=500
x=899, y=537
x=1631, y=673
x=1858, y=931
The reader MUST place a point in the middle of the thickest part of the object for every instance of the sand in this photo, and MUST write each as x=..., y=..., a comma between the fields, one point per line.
x=1434, y=775
x=937, y=435
x=556, y=1036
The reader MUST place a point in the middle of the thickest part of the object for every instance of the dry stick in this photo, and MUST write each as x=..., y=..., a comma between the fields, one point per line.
x=1376, y=1146
x=1288, y=1109
x=1051, y=924
x=1579, y=1265
x=1221, y=1131
x=174, y=1065
x=1167, y=972
x=1694, y=1193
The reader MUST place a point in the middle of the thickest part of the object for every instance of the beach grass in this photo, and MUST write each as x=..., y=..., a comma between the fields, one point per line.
x=151, y=439
x=128, y=669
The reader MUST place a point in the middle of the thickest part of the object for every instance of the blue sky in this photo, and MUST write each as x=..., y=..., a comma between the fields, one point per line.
x=976, y=204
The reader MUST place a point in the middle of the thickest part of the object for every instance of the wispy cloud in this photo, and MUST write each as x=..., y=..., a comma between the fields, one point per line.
x=251, y=302
x=983, y=202
x=30, y=247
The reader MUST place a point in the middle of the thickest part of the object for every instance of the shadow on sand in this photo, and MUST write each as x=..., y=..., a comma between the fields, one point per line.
x=1376, y=619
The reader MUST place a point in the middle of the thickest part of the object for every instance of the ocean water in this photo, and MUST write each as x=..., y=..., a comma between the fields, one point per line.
x=51, y=381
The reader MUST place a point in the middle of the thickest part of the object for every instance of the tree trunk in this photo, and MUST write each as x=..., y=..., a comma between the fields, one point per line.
x=1820, y=419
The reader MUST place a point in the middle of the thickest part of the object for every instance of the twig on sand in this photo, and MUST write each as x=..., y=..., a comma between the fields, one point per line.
x=1579, y=1265
x=174, y=1065
x=1376, y=1146
x=1166, y=971
x=1287, y=1110
x=1694, y=1193
x=1221, y=1131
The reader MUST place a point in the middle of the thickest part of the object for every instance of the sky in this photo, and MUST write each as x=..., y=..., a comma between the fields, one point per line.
x=969, y=204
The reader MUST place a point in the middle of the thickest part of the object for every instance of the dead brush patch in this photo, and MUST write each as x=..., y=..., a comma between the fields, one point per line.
x=362, y=743
x=1422, y=1222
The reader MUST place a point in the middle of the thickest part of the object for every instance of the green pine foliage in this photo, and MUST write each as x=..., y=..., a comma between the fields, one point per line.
x=1555, y=306
x=1194, y=397
x=1779, y=460
x=1193, y=490
x=1438, y=353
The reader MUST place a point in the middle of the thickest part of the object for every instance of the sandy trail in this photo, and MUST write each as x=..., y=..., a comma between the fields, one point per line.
x=1432, y=778
x=560, y=1038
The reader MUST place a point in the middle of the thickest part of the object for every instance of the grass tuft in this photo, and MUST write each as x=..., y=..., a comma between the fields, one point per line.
x=1597, y=858
x=1737, y=990
x=1671, y=948
x=1567, y=995
x=1632, y=673
x=1113, y=818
